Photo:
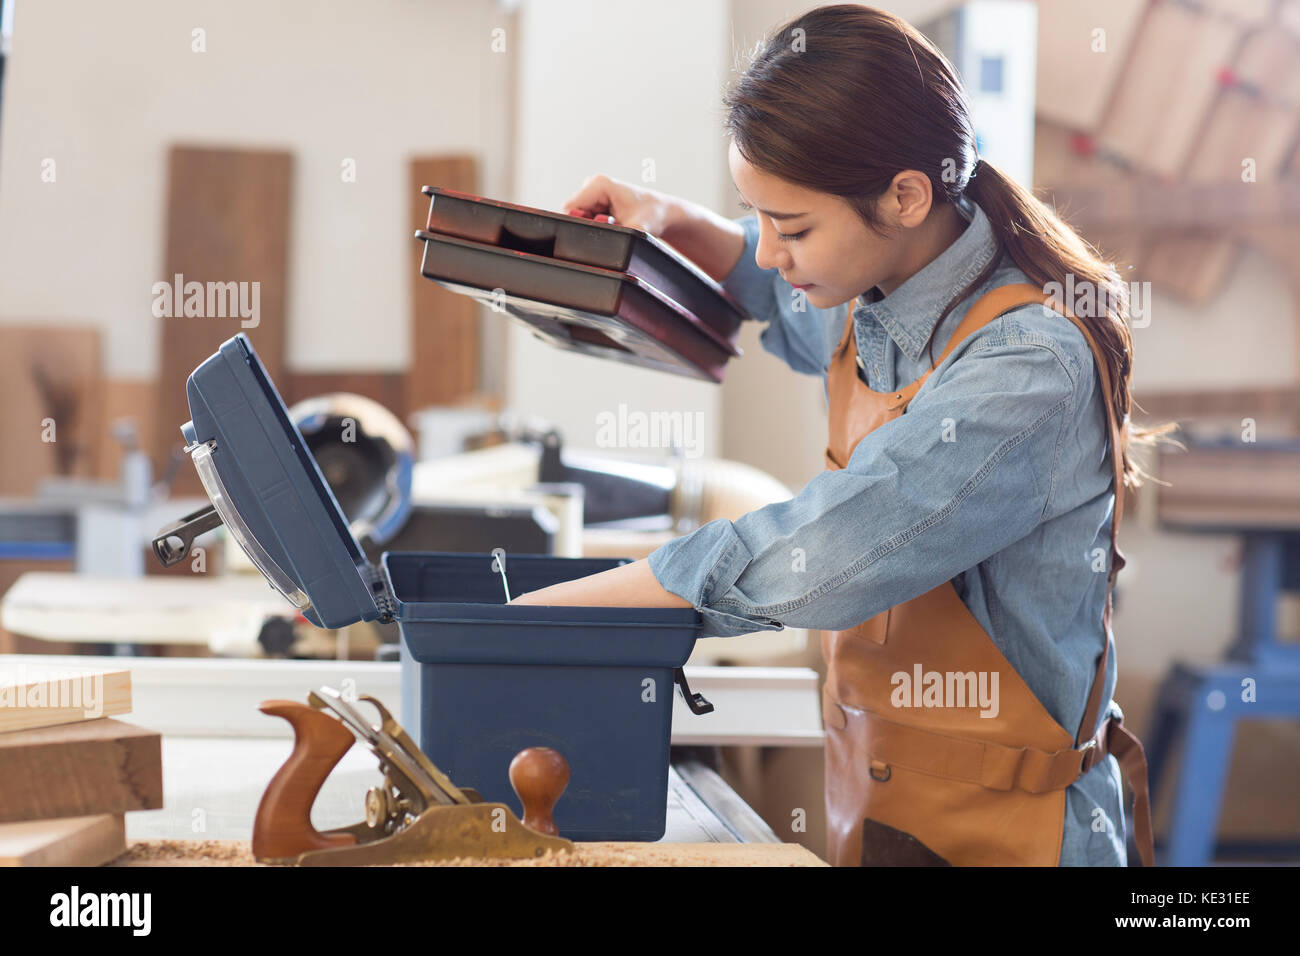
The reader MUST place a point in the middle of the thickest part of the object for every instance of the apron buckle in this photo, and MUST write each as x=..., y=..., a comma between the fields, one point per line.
x=1089, y=755
x=877, y=767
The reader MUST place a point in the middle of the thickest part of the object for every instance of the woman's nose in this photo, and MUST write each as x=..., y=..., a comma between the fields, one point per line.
x=769, y=253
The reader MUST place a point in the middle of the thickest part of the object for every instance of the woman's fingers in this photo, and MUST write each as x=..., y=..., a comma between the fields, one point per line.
x=595, y=196
x=588, y=214
x=610, y=200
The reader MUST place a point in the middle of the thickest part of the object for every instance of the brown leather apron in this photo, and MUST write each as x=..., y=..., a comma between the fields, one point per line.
x=939, y=785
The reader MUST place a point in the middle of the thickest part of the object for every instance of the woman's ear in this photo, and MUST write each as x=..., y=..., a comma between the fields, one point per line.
x=909, y=198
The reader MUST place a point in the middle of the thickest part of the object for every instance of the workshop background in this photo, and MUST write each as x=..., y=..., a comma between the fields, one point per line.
x=287, y=143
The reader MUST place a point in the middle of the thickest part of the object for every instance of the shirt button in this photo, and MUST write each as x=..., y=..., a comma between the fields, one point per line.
x=861, y=364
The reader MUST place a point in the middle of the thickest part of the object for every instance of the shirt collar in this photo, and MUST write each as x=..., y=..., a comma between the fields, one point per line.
x=910, y=312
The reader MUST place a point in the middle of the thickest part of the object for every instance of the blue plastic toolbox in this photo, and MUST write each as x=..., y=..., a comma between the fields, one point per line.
x=480, y=680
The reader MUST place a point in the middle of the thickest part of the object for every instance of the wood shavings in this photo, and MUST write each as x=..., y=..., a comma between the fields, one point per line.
x=187, y=853
x=239, y=853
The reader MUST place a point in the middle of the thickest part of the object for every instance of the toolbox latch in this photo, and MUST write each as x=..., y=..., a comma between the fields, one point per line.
x=385, y=603
x=695, y=702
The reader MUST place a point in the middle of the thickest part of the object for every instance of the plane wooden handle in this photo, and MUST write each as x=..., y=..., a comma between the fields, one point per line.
x=539, y=775
x=282, y=828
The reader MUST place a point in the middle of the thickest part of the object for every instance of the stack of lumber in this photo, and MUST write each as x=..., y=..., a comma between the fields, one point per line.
x=69, y=771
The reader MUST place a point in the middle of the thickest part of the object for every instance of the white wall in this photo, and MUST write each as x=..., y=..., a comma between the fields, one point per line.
x=105, y=88
x=608, y=88
x=1245, y=336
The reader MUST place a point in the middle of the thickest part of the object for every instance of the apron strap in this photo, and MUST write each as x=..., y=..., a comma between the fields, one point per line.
x=1133, y=762
x=985, y=762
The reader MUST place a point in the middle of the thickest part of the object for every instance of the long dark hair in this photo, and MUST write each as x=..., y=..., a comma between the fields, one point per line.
x=843, y=98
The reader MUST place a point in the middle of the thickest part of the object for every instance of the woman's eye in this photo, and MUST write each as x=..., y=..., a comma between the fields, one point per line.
x=782, y=236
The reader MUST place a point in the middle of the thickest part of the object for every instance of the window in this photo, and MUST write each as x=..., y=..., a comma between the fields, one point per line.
x=990, y=74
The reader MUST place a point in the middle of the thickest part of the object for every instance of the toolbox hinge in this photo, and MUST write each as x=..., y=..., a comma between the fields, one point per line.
x=383, y=597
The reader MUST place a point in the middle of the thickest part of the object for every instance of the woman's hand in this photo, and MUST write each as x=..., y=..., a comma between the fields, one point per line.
x=629, y=585
x=630, y=205
x=713, y=243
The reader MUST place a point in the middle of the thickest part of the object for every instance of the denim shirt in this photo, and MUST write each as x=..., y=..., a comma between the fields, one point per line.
x=998, y=478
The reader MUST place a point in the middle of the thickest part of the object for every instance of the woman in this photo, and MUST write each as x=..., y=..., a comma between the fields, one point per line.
x=959, y=550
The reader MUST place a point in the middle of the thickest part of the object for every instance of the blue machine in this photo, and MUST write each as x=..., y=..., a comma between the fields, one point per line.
x=1258, y=679
x=480, y=680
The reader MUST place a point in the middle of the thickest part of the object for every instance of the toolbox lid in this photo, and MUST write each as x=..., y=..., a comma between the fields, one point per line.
x=268, y=489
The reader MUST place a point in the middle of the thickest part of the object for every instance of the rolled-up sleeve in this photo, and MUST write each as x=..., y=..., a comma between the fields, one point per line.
x=795, y=332
x=967, y=471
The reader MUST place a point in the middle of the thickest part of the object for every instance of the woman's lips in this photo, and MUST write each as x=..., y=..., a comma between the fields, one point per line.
x=798, y=286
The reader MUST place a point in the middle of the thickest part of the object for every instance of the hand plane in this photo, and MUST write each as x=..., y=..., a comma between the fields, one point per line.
x=416, y=814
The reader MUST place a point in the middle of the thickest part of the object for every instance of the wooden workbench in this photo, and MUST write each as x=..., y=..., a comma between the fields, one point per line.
x=238, y=853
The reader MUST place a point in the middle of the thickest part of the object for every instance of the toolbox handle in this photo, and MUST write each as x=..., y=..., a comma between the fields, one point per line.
x=185, y=530
x=695, y=702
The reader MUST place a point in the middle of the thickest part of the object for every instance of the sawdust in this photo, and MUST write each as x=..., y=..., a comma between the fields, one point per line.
x=187, y=853
x=579, y=857
x=239, y=853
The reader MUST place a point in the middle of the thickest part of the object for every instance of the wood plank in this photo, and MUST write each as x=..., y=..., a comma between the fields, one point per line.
x=1189, y=404
x=190, y=609
x=1282, y=246
x=1077, y=81
x=1189, y=266
x=134, y=400
x=1244, y=126
x=11, y=569
x=92, y=767
x=227, y=221
x=1169, y=82
x=387, y=388
x=74, y=841
x=1229, y=487
x=1148, y=202
x=445, y=340
x=1062, y=156
x=1246, y=11
x=48, y=372
x=48, y=697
